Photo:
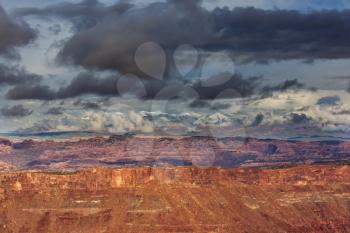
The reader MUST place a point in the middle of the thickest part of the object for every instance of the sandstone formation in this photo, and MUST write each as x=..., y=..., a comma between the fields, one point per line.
x=118, y=151
x=301, y=199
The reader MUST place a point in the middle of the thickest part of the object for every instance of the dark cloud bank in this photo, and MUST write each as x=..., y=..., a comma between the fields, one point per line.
x=84, y=15
x=110, y=39
x=14, y=75
x=83, y=84
x=329, y=100
x=258, y=120
x=55, y=111
x=13, y=33
x=16, y=111
x=88, y=84
x=106, y=38
x=296, y=118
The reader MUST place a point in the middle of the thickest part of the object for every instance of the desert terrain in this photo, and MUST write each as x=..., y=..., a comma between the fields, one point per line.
x=301, y=199
x=174, y=184
x=139, y=151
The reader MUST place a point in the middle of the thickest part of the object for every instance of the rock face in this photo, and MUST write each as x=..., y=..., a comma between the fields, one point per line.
x=165, y=151
x=5, y=142
x=179, y=199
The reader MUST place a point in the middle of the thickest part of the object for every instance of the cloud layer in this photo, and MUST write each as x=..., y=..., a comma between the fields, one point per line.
x=14, y=75
x=88, y=84
x=16, y=111
x=249, y=34
x=117, y=52
x=13, y=33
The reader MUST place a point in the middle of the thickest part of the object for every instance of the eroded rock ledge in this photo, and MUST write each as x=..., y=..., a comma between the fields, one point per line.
x=181, y=199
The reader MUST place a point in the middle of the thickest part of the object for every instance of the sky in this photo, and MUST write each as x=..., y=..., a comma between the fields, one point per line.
x=260, y=68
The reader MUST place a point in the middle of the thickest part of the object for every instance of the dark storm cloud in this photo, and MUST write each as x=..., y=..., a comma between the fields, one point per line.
x=91, y=105
x=220, y=106
x=84, y=14
x=55, y=111
x=88, y=83
x=235, y=87
x=83, y=84
x=199, y=104
x=86, y=105
x=285, y=34
x=258, y=120
x=250, y=34
x=205, y=104
x=329, y=100
x=299, y=118
x=13, y=33
x=37, y=92
x=12, y=75
x=288, y=84
x=16, y=111
x=293, y=84
x=120, y=36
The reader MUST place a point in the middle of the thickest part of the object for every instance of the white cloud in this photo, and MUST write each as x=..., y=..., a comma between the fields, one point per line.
x=133, y=115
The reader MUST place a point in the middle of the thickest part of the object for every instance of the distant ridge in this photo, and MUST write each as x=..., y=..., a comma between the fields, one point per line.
x=84, y=134
x=55, y=134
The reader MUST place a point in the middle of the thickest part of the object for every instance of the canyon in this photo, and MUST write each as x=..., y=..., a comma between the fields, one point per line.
x=305, y=199
x=133, y=151
x=174, y=184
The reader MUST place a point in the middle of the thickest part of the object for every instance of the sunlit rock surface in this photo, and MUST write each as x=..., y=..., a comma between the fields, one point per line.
x=178, y=199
